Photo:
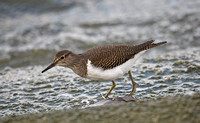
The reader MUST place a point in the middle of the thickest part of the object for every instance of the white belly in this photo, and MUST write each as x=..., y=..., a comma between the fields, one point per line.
x=96, y=73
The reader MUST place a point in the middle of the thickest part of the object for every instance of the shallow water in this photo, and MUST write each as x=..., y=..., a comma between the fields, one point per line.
x=32, y=32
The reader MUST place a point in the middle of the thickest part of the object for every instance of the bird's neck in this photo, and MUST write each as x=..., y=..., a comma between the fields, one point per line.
x=78, y=64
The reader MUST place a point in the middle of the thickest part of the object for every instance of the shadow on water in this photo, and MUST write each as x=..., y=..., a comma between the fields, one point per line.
x=22, y=59
x=9, y=8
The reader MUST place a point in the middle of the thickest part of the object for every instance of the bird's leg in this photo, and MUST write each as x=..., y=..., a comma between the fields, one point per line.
x=133, y=83
x=113, y=86
x=106, y=96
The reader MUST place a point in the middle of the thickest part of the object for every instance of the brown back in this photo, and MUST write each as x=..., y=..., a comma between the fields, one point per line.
x=111, y=56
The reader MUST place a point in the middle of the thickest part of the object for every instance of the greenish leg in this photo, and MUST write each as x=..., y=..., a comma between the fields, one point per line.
x=133, y=83
x=113, y=86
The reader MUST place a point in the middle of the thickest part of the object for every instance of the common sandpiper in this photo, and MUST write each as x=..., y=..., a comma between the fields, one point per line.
x=104, y=63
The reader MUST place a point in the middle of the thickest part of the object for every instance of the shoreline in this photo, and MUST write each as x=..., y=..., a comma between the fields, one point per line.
x=167, y=109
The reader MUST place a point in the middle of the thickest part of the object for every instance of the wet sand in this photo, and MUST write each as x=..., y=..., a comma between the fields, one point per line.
x=178, y=109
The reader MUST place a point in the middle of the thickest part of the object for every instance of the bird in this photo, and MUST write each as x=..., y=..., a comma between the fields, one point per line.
x=104, y=63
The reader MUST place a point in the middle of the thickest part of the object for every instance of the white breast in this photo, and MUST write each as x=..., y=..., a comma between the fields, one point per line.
x=97, y=73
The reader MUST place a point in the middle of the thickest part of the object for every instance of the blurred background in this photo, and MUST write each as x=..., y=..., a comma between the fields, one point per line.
x=32, y=31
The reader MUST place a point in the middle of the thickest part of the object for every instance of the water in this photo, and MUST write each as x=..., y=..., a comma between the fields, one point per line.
x=32, y=32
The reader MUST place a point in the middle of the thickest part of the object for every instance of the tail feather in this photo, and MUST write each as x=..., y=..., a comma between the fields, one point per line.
x=148, y=45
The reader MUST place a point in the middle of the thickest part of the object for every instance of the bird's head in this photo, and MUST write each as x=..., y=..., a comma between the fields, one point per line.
x=62, y=58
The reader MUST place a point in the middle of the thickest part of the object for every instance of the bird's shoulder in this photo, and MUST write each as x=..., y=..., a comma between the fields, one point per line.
x=109, y=56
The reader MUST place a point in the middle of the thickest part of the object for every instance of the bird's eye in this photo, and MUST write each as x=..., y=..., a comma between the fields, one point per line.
x=62, y=57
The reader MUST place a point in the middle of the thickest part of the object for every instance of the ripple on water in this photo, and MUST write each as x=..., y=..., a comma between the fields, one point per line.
x=31, y=93
x=25, y=90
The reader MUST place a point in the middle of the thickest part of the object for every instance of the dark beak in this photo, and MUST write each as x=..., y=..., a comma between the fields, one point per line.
x=49, y=67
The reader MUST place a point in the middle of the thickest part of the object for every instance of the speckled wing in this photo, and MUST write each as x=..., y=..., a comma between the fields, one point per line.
x=108, y=57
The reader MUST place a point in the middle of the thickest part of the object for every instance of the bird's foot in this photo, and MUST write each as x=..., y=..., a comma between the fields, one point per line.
x=103, y=98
